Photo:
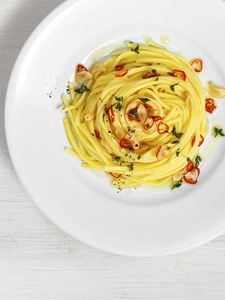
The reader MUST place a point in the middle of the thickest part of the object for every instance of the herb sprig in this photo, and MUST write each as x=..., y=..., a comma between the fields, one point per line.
x=218, y=131
x=83, y=88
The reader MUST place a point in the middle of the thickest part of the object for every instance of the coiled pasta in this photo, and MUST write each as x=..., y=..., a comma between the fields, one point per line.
x=139, y=116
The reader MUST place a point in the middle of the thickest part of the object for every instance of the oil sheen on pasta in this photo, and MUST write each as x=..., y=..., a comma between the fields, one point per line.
x=140, y=117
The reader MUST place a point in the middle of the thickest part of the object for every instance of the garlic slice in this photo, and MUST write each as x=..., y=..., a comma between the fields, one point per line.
x=142, y=114
x=83, y=75
x=133, y=138
x=216, y=91
x=163, y=151
x=97, y=67
x=119, y=132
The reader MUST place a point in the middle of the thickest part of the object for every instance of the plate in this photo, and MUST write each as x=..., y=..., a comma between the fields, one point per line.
x=135, y=222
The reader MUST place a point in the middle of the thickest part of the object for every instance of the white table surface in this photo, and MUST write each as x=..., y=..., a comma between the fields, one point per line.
x=39, y=261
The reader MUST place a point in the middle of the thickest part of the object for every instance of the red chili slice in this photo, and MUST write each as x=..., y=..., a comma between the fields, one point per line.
x=210, y=105
x=147, y=106
x=192, y=176
x=97, y=134
x=201, y=140
x=148, y=123
x=162, y=128
x=179, y=73
x=197, y=64
x=122, y=74
x=157, y=118
x=115, y=175
x=125, y=143
x=157, y=152
x=81, y=68
x=111, y=115
x=189, y=167
x=119, y=67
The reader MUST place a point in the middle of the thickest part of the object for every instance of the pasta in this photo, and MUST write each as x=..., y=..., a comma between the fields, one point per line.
x=139, y=116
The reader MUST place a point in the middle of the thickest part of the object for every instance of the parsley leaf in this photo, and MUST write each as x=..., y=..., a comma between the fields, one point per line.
x=177, y=184
x=118, y=105
x=133, y=112
x=131, y=167
x=176, y=134
x=198, y=161
x=172, y=87
x=119, y=99
x=144, y=99
x=136, y=49
x=116, y=158
x=82, y=89
x=218, y=131
x=178, y=152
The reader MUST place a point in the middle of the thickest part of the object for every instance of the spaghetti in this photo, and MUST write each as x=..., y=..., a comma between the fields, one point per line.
x=139, y=116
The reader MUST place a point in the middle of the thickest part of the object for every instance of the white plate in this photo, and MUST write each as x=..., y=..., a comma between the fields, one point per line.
x=139, y=222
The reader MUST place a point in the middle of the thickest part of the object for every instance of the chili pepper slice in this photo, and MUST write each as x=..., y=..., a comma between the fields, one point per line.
x=162, y=128
x=210, y=105
x=148, y=123
x=179, y=73
x=81, y=68
x=157, y=118
x=125, y=143
x=147, y=106
x=197, y=64
x=158, y=151
x=97, y=134
x=201, y=140
x=192, y=176
x=115, y=175
x=119, y=67
x=110, y=113
x=189, y=167
x=122, y=74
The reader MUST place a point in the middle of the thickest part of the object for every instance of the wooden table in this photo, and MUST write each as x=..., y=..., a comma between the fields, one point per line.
x=38, y=261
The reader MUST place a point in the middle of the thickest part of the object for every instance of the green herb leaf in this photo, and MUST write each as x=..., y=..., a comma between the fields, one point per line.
x=116, y=158
x=118, y=106
x=144, y=99
x=178, y=152
x=198, y=161
x=172, y=87
x=176, y=134
x=218, y=131
x=131, y=167
x=175, y=142
x=133, y=112
x=82, y=89
x=136, y=49
x=120, y=99
x=177, y=184
x=155, y=72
